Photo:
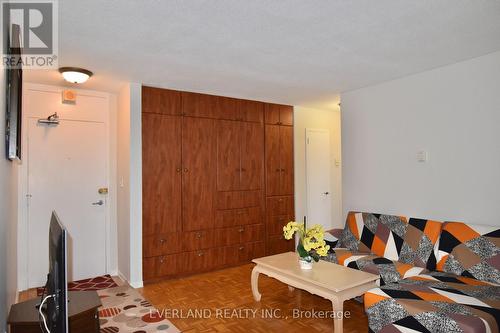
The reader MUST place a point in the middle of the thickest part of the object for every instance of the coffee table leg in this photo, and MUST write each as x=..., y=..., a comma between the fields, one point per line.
x=255, y=284
x=338, y=310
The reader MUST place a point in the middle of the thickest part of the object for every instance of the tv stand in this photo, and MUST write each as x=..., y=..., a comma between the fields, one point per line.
x=82, y=312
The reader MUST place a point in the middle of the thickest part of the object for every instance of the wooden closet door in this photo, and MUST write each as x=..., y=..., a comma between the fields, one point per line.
x=252, y=156
x=161, y=101
x=251, y=111
x=272, y=114
x=286, y=115
x=198, y=173
x=286, y=160
x=161, y=181
x=273, y=169
x=228, y=155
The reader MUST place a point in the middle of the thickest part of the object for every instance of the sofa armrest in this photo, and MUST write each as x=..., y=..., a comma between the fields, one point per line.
x=335, y=232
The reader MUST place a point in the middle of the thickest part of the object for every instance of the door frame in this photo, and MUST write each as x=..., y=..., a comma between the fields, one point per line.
x=109, y=121
x=307, y=132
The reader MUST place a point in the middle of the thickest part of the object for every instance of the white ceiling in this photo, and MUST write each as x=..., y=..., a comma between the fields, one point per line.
x=289, y=51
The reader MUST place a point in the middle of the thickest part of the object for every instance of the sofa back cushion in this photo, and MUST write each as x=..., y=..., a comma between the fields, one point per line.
x=469, y=250
x=410, y=241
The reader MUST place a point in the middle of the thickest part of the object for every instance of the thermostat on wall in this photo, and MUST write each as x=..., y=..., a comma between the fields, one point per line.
x=422, y=156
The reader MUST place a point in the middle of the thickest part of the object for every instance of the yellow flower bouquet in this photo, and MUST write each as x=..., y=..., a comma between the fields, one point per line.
x=311, y=245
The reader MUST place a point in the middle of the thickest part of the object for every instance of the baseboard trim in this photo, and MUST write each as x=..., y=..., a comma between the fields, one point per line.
x=136, y=284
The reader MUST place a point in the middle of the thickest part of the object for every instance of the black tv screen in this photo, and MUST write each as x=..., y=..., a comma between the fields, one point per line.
x=14, y=97
x=57, y=284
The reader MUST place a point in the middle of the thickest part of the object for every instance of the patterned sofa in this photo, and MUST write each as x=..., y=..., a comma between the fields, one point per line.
x=435, y=277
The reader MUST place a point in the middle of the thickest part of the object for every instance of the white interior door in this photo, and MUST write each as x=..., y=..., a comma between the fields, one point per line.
x=66, y=168
x=318, y=171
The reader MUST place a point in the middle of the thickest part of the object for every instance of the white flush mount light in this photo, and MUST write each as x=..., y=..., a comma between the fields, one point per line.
x=75, y=74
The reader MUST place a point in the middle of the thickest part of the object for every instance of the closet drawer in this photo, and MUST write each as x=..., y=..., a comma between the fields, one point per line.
x=239, y=234
x=161, y=244
x=198, y=240
x=249, y=251
x=278, y=244
x=239, y=199
x=251, y=233
x=161, y=266
x=282, y=205
x=276, y=223
x=199, y=261
x=234, y=217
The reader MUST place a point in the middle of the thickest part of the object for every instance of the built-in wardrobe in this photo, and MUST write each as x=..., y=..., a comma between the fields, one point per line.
x=218, y=181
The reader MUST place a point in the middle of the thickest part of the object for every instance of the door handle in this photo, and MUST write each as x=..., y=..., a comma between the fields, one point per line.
x=98, y=203
x=326, y=193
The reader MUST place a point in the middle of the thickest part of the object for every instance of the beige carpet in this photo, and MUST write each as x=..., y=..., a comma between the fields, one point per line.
x=125, y=310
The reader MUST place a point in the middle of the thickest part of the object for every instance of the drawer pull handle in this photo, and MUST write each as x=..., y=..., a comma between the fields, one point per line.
x=162, y=260
x=241, y=248
x=241, y=229
x=240, y=212
x=178, y=170
x=200, y=254
x=162, y=241
x=198, y=235
x=280, y=200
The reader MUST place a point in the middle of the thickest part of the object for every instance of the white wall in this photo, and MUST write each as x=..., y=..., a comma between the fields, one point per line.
x=130, y=184
x=453, y=113
x=317, y=119
x=8, y=219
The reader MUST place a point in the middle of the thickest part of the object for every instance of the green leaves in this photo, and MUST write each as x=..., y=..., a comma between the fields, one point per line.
x=302, y=252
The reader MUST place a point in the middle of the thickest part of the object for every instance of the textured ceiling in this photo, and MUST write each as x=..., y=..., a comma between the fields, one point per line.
x=297, y=52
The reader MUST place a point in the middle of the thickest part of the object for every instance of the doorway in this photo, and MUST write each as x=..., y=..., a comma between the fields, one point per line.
x=318, y=177
x=67, y=171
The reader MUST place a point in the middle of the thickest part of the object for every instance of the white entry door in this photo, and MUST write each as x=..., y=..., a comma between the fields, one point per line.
x=318, y=171
x=66, y=168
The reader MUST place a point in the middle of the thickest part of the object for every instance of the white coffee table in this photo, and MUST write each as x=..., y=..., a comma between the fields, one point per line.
x=328, y=280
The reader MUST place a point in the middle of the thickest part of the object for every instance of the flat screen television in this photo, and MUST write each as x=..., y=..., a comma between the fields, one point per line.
x=13, y=97
x=56, y=312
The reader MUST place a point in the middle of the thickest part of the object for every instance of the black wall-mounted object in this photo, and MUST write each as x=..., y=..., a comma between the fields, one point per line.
x=14, y=89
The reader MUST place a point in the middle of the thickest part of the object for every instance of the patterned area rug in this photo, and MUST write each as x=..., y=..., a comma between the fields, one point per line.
x=125, y=310
x=96, y=283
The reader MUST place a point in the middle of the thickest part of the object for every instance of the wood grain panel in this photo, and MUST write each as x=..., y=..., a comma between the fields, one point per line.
x=228, y=155
x=272, y=114
x=251, y=233
x=286, y=160
x=272, y=156
x=239, y=199
x=161, y=184
x=199, y=173
x=286, y=115
x=225, y=218
x=198, y=240
x=198, y=105
x=162, y=244
x=251, y=111
x=276, y=223
x=278, y=244
x=252, y=157
x=227, y=108
x=161, y=101
x=283, y=205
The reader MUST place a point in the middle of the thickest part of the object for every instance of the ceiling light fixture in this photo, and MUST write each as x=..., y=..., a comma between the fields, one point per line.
x=75, y=74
